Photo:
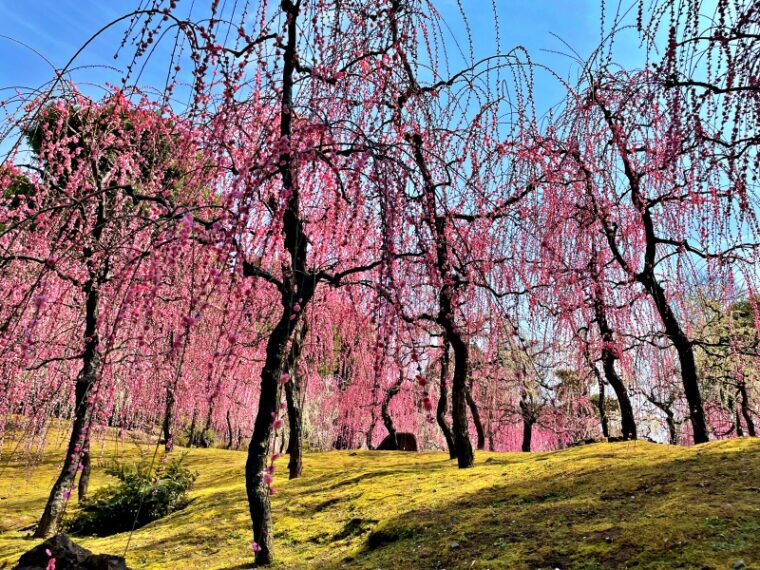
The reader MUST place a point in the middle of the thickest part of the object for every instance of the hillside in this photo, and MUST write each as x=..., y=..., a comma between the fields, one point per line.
x=595, y=507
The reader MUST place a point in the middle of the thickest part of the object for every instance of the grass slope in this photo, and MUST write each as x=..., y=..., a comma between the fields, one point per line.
x=601, y=506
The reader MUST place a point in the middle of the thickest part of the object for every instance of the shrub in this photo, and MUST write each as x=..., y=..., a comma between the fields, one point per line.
x=141, y=496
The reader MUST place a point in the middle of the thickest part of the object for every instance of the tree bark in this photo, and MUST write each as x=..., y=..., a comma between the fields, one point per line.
x=256, y=489
x=440, y=413
x=298, y=285
x=529, y=418
x=84, y=476
x=384, y=411
x=603, y=408
x=686, y=358
x=465, y=457
x=745, y=410
x=527, y=435
x=476, y=419
x=608, y=355
x=229, y=431
x=168, y=419
x=205, y=439
x=79, y=438
x=293, y=390
x=672, y=429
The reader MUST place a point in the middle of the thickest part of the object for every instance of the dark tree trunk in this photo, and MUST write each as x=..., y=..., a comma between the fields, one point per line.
x=293, y=390
x=385, y=412
x=529, y=418
x=627, y=420
x=205, y=437
x=297, y=285
x=168, y=419
x=602, y=407
x=666, y=408
x=527, y=434
x=738, y=424
x=256, y=488
x=685, y=352
x=465, y=457
x=295, y=442
x=79, y=438
x=672, y=428
x=84, y=476
x=476, y=419
x=229, y=431
x=491, y=446
x=745, y=410
x=171, y=387
x=440, y=413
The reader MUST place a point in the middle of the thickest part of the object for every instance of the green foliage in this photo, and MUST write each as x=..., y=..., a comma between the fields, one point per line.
x=141, y=497
x=611, y=405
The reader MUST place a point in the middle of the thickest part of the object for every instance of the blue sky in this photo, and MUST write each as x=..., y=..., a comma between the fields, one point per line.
x=57, y=29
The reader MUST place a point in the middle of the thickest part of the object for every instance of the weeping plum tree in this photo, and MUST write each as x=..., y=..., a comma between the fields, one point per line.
x=86, y=232
x=655, y=206
x=324, y=133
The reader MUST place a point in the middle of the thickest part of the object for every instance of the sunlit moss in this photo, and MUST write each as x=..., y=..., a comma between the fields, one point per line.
x=594, y=507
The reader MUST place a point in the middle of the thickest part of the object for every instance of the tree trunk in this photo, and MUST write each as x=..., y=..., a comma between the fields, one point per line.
x=745, y=410
x=465, y=457
x=229, y=431
x=79, y=440
x=627, y=420
x=84, y=476
x=476, y=419
x=295, y=442
x=602, y=406
x=440, y=413
x=685, y=352
x=61, y=491
x=529, y=418
x=293, y=390
x=527, y=434
x=672, y=429
x=205, y=437
x=256, y=489
x=387, y=419
x=168, y=419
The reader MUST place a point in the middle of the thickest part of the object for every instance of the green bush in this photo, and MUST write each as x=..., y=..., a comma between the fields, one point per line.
x=141, y=496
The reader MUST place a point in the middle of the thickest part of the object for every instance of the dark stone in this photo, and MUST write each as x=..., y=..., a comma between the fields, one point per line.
x=68, y=556
x=405, y=441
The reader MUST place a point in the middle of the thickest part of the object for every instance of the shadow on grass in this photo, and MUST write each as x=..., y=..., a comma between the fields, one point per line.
x=664, y=514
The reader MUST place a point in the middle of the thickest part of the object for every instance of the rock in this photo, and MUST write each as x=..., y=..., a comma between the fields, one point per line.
x=455, y=545
x=405, y=441
x=739, y=564
x=68, y=556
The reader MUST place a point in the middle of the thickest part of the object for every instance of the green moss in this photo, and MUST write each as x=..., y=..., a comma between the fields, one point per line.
x=593, y=507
